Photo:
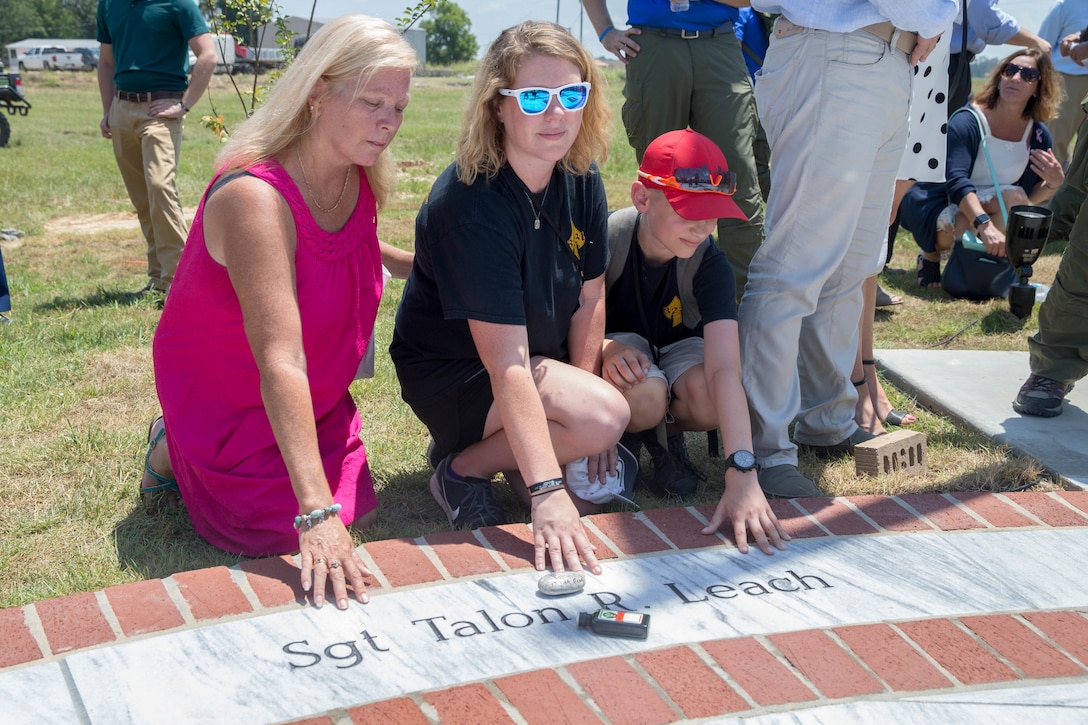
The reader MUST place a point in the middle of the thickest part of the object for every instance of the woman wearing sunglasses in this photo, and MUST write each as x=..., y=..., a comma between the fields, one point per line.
x=1021, y=93
x=498, y=335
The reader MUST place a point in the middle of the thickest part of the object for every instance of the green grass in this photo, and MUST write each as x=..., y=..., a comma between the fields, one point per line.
x=76, y=387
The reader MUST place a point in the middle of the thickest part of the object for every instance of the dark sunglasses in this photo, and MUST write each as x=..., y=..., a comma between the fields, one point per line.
x=700, y=179
x=1030, y=75
x=534, y=101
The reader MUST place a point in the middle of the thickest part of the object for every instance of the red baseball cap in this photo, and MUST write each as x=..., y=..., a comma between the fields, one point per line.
x=694, y=194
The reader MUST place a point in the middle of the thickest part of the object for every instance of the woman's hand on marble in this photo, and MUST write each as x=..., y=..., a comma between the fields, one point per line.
x=558, y=534
x=744, y=504
x=328, y=554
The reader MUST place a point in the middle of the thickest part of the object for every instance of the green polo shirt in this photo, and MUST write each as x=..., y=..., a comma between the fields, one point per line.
x=150, y=40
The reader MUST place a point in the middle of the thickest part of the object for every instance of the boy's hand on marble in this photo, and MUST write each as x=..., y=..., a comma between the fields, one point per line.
x=744, y=504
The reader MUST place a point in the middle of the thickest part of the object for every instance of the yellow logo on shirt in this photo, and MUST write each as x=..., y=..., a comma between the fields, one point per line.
x=674, y=312
x=577, y=241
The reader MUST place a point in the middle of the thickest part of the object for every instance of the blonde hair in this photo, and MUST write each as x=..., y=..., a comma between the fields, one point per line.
x=1043, y=105
x=480, y=146
x=350, y=49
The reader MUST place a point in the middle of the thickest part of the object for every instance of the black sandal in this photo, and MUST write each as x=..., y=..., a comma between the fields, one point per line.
x=929, y=273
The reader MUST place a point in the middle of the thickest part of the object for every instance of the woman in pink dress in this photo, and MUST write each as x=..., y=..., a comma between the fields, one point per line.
x=272, y=309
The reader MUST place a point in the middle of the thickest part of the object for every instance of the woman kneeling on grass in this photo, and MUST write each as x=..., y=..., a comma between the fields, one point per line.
x=272, y=309
x=498, y=337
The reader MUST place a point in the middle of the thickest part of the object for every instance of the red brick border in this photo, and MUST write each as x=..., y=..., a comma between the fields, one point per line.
x=698, y=680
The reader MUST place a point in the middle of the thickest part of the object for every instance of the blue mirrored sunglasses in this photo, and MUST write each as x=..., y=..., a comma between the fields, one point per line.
x=534, y=101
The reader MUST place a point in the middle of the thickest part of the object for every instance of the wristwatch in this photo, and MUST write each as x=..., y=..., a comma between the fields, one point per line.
x=980, y=220
x=741, y=460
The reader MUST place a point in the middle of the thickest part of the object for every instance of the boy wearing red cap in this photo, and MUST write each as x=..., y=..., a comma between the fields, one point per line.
x=671, y=342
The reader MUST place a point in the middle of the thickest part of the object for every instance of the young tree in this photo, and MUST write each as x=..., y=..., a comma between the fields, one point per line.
x=449, y=35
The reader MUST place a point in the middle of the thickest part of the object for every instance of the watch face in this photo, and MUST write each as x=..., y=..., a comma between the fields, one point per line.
x=744, y=460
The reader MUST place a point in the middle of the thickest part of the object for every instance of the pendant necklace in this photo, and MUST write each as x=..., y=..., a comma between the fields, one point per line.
x=537, y=212
x=343, y=190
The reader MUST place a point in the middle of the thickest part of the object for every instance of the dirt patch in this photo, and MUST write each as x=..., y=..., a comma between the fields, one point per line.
x=92, y=223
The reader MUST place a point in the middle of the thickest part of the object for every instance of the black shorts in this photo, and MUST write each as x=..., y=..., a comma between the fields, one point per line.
x=456, y=421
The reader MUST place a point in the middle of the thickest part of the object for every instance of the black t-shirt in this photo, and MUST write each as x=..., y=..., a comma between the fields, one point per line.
x=657, y=292
x=478, y=257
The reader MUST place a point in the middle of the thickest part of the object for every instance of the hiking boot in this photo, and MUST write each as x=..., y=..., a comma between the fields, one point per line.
x=674, y=474
x=633, y=443
x=785, y=481
x=844, y=447
x=1041, y=396
x=469, y=502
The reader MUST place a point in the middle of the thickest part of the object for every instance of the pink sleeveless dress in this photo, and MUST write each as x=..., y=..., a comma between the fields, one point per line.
x=225, y=458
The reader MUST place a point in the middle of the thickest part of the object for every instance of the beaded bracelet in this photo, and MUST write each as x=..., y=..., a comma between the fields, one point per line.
x=545, y=486
x=607, y=30
x=316, y=516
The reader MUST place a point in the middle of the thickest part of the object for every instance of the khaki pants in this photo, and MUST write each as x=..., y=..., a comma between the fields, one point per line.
x=703, y=83
x=1070, y=115
x=147, y=151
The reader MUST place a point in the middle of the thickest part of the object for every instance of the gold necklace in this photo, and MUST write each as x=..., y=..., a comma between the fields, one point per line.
x=343, y=190
x=538, y=212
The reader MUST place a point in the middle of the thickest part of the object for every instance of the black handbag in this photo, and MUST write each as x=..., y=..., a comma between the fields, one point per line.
x=971, y=274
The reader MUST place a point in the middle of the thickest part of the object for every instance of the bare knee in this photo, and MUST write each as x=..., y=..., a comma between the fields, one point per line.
x=649, y=401
x=692, y=405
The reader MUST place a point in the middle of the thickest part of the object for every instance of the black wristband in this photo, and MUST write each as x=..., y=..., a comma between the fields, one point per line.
x=183, y=106
x=546, y=486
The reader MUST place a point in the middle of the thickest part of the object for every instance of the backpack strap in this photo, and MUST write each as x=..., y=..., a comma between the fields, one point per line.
x=622, y=227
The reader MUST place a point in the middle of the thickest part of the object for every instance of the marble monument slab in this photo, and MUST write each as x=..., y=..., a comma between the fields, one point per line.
x=292, y=664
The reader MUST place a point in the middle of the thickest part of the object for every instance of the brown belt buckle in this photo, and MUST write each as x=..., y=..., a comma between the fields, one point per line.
x=786, y=28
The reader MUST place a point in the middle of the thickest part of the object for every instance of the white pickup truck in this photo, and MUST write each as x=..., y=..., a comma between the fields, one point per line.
x=50, y=57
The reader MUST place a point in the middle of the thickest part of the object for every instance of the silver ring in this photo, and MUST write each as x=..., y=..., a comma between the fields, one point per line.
x=318, y=560
x=334, y=564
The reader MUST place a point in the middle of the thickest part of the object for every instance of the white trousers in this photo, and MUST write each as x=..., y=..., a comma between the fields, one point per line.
x=835, y=107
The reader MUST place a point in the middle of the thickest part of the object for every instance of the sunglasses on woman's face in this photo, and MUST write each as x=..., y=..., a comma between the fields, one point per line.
x=1030, y=75
x=534, y=101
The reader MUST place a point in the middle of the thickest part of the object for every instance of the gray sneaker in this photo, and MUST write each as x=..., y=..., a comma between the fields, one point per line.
x=1041, y=396
x=785, y=481
x=838, y=450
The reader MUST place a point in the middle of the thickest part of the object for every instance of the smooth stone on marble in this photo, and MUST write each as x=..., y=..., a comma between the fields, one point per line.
x=557, y=584
x=977, y=387
x=293, y=664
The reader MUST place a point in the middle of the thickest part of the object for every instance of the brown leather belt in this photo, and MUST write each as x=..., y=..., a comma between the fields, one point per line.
x=149, y=96
x=902, y=39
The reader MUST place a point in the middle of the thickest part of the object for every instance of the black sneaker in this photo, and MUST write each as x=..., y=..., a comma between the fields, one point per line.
x=434, y=455
x=1041, y=396
x=674, y=474
x=469, y=502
